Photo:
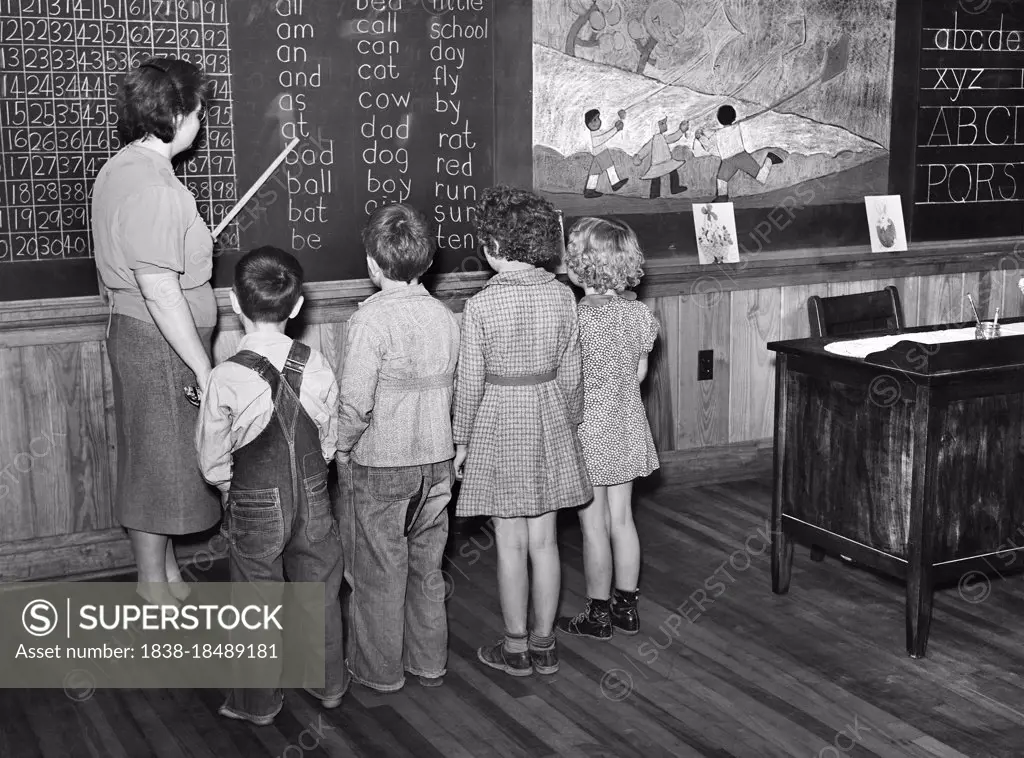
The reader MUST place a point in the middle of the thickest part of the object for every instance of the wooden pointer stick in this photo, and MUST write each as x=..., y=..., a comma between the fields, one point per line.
x=255, y=187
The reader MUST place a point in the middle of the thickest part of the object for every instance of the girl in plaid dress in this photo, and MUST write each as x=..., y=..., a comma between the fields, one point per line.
x=518, y=401
x=604, y=258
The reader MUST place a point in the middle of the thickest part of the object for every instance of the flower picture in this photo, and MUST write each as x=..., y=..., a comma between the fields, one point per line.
x=715, y=225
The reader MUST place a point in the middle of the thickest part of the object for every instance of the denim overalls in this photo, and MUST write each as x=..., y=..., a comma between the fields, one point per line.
x=279, y=519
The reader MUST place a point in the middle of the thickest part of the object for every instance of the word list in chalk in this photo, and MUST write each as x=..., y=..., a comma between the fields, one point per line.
x=384, y=104
x=423, y=91
x=457, y=42
x=308, y=172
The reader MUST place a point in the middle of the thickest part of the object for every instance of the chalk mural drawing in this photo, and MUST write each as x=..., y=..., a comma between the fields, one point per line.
x=648, y=106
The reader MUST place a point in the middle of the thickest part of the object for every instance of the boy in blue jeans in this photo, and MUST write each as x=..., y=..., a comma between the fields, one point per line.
x=395, y=425
x=267, y=428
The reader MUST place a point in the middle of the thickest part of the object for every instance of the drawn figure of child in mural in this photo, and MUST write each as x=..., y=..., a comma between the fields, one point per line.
x=728, y=144
x=656, y=160
x=602, y=158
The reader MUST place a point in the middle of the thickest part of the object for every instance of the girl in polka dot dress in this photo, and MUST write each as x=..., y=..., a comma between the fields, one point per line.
x=616, y=334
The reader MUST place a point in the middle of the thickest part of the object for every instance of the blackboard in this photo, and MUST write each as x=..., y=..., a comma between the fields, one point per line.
x=857, y=98
x=280, y=68
x=958, y=118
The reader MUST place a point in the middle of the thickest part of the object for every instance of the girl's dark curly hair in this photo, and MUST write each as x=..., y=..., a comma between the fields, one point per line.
x=524, y=225
x=154, y=93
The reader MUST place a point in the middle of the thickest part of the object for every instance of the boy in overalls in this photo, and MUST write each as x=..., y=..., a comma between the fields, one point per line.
x=267, y=426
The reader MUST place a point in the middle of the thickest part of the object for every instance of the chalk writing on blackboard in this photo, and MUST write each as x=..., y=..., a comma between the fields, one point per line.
x=309, y=177
x=960, y=39
x=454, y=188
x=422, y=116
x=385, y=128
x=60, y=62
x=970, y=127
x=390, y=100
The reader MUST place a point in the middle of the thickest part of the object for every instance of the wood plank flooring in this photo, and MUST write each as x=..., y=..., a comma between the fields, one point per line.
x=721, y=667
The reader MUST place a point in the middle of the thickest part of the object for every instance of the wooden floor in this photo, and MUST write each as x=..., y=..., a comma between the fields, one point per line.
x=821, y=672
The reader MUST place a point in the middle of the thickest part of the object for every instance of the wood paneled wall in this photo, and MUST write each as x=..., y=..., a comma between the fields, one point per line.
x=737, y=405
x=58, y=439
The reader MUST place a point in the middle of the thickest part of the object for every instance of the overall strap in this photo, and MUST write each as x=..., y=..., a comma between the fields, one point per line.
x=260, y=365
x=295, y=364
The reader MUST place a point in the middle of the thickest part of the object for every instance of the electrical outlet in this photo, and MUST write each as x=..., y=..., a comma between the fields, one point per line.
x=705, y=365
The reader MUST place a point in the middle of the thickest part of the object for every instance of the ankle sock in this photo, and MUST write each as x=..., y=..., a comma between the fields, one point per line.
x=516, y=643
x=629, y=597
x=542, y=643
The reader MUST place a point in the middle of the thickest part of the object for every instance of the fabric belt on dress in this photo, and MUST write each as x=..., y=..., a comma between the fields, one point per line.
x=521, y=381
x=437, y=381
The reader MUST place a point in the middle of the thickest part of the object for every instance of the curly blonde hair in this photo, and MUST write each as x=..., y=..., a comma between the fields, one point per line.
x=605, y=254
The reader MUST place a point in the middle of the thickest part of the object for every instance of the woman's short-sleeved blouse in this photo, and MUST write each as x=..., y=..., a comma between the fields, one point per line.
x=145, y=220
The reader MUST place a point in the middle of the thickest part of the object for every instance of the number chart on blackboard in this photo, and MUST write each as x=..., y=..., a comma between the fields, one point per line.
x=60, y=62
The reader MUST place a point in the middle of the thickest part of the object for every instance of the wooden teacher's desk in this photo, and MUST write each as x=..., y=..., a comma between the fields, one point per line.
x=908, y=459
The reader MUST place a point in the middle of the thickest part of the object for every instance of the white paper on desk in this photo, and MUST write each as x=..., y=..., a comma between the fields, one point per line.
x=863, y=347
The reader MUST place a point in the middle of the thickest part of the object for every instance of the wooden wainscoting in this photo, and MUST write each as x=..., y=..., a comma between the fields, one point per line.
x=736, y=406
x=58, y=440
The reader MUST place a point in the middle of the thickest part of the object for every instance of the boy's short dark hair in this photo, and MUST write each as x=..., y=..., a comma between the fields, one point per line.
x=268, y=284
x=590, y=115
x=726, y=115
x=154, y=93
x=398, y=239
x=524, y=225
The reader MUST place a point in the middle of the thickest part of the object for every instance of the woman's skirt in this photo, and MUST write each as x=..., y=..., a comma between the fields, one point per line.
x=159, y=487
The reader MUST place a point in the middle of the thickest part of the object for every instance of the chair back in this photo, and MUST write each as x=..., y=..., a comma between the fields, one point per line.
x=855, y=314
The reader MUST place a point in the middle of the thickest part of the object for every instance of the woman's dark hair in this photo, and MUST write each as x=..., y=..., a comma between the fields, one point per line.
x=524, y=225
x=398, y=238
x=268, y=283
x=154, y=93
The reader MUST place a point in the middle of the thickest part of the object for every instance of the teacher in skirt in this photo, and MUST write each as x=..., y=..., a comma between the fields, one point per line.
x=154, y=259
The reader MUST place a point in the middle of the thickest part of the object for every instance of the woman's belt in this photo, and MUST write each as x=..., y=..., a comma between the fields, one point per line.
x=521, y=381
x=435, y=382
